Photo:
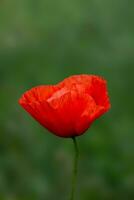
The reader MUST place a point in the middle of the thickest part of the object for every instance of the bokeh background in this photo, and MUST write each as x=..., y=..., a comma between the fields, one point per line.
x=42, y=42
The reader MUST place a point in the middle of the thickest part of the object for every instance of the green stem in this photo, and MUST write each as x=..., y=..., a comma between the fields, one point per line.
x=75, y=168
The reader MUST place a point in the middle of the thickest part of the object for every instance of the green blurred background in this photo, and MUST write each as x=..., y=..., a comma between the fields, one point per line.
x=42, y=42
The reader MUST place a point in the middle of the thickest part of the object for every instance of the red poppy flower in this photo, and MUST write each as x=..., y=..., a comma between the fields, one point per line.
x=68, y=108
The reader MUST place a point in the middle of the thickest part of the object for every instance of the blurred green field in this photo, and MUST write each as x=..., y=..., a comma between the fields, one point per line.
x=42, y=42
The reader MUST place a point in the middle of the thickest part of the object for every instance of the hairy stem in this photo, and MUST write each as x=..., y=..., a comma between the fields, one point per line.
x=75, y=168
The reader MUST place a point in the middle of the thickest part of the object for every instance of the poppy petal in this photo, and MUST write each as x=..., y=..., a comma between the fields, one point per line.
x=72, y=108
x=39, y=93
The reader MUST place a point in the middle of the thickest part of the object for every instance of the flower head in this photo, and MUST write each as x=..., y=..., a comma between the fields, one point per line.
x=68, y=108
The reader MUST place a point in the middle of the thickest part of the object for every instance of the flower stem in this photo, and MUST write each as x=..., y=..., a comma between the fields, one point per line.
x=75, y=168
